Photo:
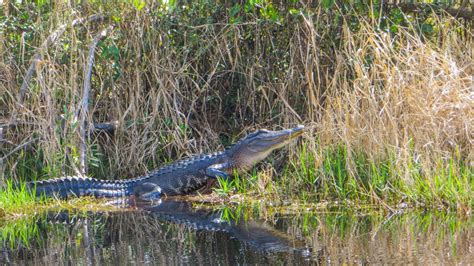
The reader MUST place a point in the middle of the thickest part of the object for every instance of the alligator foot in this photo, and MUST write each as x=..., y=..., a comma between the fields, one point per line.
x=216, y=171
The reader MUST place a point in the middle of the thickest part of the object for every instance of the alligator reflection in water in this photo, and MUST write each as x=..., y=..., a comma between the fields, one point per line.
x=173, y=232
x=170, y=232
x=257, y=234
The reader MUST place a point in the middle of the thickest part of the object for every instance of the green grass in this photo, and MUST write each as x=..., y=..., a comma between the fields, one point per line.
x=18, y=201
x=15, y=203
x=311, y=177
x=18, y=206
x=341, y=177
x=19, y=209
x=18, y=232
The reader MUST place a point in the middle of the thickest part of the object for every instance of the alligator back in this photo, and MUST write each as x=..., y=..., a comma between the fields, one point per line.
x=184, y=176
x=178, y=178
x=70, y=186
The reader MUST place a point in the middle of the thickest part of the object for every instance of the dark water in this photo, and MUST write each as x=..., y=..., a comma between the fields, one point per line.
x=174, y=232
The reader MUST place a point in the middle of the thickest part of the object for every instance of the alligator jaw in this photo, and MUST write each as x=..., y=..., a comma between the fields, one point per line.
x=258, y=145
x=282, y=137
x=267, y=141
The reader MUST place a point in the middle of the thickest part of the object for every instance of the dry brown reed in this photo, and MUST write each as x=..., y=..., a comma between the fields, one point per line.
x=402, y=95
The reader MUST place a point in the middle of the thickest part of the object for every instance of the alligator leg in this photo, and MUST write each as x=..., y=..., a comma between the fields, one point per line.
x=215, y=171
x=147, y=191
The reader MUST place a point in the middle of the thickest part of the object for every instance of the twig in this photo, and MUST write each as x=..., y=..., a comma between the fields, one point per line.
x=17, y=148
x=85, y=97
x=96, y=128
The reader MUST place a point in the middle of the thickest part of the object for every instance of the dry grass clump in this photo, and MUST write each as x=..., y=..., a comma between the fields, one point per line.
x=402, y=95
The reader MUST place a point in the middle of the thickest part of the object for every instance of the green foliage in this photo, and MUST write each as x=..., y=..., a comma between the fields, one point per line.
x=236, y=184
x=451, y=184
x=17, y=202
x=18, y=233
x=139, y=4
x=234, y=10
x=111, y=52
x=224, y=186
x=327, y=4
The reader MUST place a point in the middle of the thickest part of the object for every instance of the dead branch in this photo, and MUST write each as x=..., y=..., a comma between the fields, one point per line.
x=49, y=41
x=85, y=97
x=18, y=148
x=107, y=128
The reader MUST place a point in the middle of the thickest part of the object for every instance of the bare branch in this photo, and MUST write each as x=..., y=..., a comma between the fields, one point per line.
x=85, y=97
x=96, y=128
x=49, y=41
x=18, y=148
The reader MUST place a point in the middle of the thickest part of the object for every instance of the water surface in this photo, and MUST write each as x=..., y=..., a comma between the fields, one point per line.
x=175, y=232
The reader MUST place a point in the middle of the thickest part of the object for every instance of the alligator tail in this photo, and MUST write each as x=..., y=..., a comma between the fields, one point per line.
x=75, y=186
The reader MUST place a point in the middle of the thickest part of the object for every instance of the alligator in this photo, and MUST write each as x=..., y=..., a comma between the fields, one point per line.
x=179, y=178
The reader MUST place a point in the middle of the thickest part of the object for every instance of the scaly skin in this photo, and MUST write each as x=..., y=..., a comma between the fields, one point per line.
x=179, y=178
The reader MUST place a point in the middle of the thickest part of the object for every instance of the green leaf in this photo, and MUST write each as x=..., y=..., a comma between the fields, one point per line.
x=139, y=4
x=294, y=12
x=327, y=3
x=394, y=29
x=426, y=28
x=116, y=19
x=234, y=10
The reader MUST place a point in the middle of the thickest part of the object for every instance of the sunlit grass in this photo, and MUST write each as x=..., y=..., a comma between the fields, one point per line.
x=18, y=232
x=308, y=179
x=20, y=211
x=18, y=201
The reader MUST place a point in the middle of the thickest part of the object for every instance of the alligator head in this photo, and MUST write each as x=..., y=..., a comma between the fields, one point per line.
x=258, y=145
